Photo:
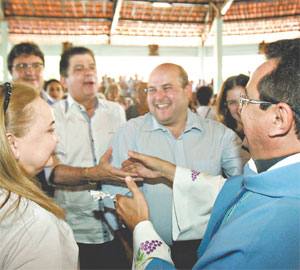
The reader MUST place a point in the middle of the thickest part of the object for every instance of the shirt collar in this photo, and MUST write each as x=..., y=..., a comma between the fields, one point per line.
x=284, y=162
x=71, y=103
x=191, y=123
x=280, y=180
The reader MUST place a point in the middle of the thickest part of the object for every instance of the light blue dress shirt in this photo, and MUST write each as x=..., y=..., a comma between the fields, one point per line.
x=205, y=145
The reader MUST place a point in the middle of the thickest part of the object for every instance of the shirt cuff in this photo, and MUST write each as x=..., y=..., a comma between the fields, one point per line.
x=147, y=245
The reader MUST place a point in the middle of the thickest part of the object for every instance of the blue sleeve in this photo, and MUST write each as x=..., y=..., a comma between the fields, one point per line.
x=231, y=187
x=159, y=264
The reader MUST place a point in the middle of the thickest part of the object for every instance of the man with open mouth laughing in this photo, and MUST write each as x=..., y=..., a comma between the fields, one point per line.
x=85, y=125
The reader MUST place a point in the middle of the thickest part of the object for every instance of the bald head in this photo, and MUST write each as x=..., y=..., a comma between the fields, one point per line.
x=177, y=70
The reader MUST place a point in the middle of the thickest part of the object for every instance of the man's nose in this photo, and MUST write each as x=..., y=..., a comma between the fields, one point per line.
x=29, y=70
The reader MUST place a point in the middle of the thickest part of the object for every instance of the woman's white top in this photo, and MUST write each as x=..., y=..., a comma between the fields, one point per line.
x=33, y=238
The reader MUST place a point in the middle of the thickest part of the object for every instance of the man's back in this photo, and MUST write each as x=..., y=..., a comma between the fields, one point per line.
x=251, y=217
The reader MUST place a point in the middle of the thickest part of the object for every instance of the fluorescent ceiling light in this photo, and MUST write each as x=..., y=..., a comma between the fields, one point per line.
x=161, y=4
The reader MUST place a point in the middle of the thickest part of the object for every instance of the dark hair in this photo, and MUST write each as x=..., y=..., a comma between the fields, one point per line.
x=222, y=109
x=24, y=48
x=67, y=54
x=50, y=81
x=204, y=94
x=283, y=83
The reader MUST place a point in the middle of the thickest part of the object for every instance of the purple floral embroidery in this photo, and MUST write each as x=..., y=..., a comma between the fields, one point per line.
x=150, y=246
x=146, y=248
x=194, y=175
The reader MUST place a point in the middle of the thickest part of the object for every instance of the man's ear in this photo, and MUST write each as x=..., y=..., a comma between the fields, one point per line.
x=188, y=90
x=63, y=81
x=282, y=120
x=12, y=140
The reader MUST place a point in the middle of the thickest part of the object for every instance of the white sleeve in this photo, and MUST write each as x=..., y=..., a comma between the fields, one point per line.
x=194, y=194
x=147, y=245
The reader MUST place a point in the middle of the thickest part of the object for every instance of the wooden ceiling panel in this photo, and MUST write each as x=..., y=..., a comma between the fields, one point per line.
x=182, y=18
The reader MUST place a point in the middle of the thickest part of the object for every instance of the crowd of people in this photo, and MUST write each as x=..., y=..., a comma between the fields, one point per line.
x=114, y=175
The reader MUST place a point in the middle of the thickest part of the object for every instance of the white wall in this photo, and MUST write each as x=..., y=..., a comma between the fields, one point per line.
x=130, y=60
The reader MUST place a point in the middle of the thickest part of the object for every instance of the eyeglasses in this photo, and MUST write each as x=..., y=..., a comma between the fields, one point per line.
x=245, y=101
x=7, y=93
x=24, y=66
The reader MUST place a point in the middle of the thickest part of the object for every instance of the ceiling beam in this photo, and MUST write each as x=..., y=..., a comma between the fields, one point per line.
x=57, y=18
x=226, y=6
x=117, y=11
x=207, y=24
x=174, y=3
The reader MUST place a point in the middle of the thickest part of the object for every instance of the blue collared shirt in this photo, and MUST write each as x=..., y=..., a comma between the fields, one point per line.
x=204, y=145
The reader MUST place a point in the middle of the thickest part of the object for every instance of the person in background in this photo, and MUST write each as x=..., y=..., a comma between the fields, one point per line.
x=140, y=106
x=204, y=96
x=173, y=132
x=26, y=63
x=228, y=102
x=85, y=125
x=33, y=233
x=54, y=89
x=255, y=221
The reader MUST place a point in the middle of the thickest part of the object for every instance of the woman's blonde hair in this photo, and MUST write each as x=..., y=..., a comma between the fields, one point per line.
x=17, y=120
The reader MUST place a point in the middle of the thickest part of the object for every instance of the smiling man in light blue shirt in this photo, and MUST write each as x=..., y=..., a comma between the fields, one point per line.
x=173, y=132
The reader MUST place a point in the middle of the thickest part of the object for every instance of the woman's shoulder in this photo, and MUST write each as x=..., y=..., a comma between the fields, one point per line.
x=21, y=213
x=30, y=235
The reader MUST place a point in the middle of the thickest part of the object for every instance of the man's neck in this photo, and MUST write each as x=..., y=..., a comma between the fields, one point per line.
x=89, y=105
x=264, y=164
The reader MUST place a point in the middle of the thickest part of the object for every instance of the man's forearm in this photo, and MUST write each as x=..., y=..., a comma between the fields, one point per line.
x=68, y=175
x=168, y=171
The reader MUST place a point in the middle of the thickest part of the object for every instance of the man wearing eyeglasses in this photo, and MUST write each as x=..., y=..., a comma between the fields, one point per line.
x=26, y=63
x=255, y=222
x=173, y=132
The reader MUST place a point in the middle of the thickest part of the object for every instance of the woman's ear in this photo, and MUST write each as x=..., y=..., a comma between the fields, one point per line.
x=282, y=120
x=12, y=140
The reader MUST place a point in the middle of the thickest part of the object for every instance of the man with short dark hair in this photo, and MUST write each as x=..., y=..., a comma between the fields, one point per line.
x=255, y=222
x=84, y=125
x=204, y=96
x=26, y=63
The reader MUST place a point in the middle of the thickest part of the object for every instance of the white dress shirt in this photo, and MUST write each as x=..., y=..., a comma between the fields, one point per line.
x=82, y=142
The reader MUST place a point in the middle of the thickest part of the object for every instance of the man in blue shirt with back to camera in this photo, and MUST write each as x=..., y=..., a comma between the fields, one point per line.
x=255, y=222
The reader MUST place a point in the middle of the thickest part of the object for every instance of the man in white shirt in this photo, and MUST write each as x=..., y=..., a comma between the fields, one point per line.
x=84, y=125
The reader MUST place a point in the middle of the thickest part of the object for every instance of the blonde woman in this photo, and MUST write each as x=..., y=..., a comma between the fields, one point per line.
x=33, y=233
